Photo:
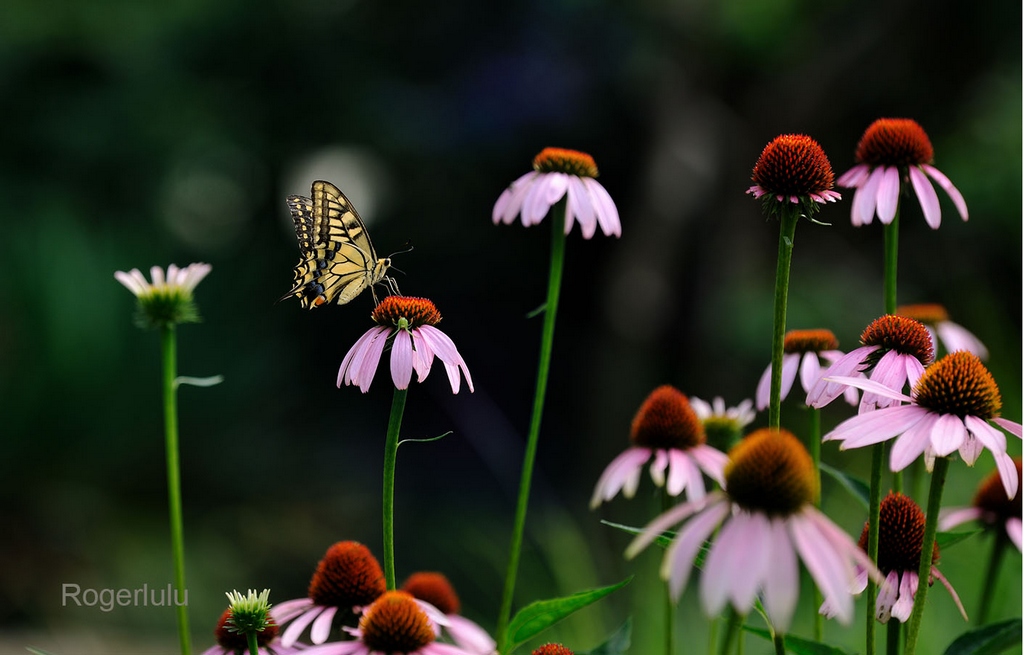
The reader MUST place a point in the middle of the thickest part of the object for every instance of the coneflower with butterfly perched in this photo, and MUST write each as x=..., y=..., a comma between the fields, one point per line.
x=337, y=257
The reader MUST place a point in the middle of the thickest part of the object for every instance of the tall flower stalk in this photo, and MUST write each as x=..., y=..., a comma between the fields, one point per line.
x=563, y=184
x=163, y=304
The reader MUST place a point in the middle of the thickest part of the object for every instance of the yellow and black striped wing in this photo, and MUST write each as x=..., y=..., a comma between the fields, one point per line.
x=337, y=260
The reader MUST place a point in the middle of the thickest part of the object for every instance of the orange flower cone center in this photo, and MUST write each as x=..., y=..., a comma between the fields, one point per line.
x=770, y=471
x=562, y=160
x=666, y=420
x=894, y=142
x=396, y=624
x=959, y=384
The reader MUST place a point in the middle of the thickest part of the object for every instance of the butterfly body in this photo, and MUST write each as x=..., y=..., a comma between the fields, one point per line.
x=337, y=259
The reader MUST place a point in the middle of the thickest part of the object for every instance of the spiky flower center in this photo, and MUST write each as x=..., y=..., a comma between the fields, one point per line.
x=900, y=535
x=561, y=160
x=395, y=624
x=393, y=310
x=809, y=341
x=236, y=641
x=552, y=649
x=770, y=471
x=348, y=576
x=959, y=384
x=435, y=589
x=904, y=335
x=894, y=142
x=991, y=496
x=927, y=313
x=666, y=420
x=793, y=165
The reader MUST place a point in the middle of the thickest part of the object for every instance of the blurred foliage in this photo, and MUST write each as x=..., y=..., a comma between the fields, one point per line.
x=147, y=133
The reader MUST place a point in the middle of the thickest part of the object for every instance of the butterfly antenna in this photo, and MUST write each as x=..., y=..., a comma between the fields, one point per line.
x=405, y=249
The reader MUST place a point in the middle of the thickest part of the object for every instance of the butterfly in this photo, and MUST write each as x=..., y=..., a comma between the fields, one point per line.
x=337, y=258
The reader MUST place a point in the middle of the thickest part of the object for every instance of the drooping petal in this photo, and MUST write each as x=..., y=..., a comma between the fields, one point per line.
x=890, y=371
x=868, y=197
x=1012, y=427
x=763, y=393
x=444, y=348
x=295, y=628
x=914, y=441
x=579, y=205
x=284, y=612
x=888, y=194
x=956, y=337
x=735, y=566
x=888, y=594
x=790, y=367
x=547, y=189
x=401, y=359
x=877, y=426
x=667, y=519
x=904, y=605
x=678, y=562
x=854, y=177
x=830, y=572
x=510, y=202
x=990, y=437
x=947, y=434
x=422, y=354
x=363, y=369
x=658, y=467
x=615, y=475
x=322, y=626
x=604, y=206
x=781, y=586
x=926, y=195
x=810, y=370
x=1007, y=473
x=825, y=390
x=711, y=460
x=684, y=474
x=1014, y=529
x=469, y=635
x=947, y=186
x=949, y=519
x=937, y=574
x=866, y=384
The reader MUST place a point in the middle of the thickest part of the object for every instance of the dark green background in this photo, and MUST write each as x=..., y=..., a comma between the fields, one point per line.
x=137, y=134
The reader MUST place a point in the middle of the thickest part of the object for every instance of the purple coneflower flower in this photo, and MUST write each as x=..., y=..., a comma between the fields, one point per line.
x=953, y=337
x=346, y=580
x=168, y=299
x=768, y=523
x=552, y=649
x=951, y=408
x=896, y=349
x=434, y=588
x=803, y=351
x=991, y=507
x=667, y=429
x=793, y=169
x=900, y=536
x=559, y=173
x=230, y=642
x=891, y=152
x=723, y=425
x=408, y=324
x=395, y=624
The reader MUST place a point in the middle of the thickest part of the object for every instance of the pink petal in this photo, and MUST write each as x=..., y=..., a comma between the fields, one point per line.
x=401, y=359
x=948, y=433
x=322, y=626
x=422, y=354
x=926, y=195
x=1007, y=473
x=578, y=205
x=947, y=186
x=869, y=385
x=711, y=460
x=952, y=592
x=1012, y=427
x=913, y=443
x=888, y=593
x=295, y=628
x=510, y=202
x=607, y=212
x=888, y=194
x=875, y=427
x=868, y=197
x=667, y=519
x=764, y=389
x=990, y=437
x=956, y=337
x=1014, y=529
x=678, y=562
x=617, y=472
x=951, y=518
x=790, y=366
x=854, y=177
x=904, y=605
x=825, y=391
x=289, y=609
x=469, y=635
x=684, y=474
x=548, y=188
x=782, y=578
x=831, y=572
x=736, y=564
x=810, y=370
x=444, y=348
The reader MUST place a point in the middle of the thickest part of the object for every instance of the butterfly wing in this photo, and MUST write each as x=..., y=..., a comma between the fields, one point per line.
x=337, y=258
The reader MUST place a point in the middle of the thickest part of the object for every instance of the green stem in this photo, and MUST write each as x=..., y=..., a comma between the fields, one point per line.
x=168, y=349
x=779, y=640
x=787, y=232
x=557, y=218
x=732, y=629
x=666, y=504
x=991, y=576
x=891, y=240
x=874, y=503
x=814, y=448
x=254, y=646
x=892, y=637
x=390, y=457
x=931, y=522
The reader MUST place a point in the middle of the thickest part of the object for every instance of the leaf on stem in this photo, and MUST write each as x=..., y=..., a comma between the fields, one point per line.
x=799, y=646
x=988, y=639
x=618, y=643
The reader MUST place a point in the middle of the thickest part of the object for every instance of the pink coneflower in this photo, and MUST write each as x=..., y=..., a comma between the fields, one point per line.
x=991, y=507
x=723, y=425
x=168, y=299
x=408, y=324
x=552, y=649
x=953, y=337
x=559, y=173
x=768, y=523
x=951, y=408
x=346, y=580
x=793, y=169
x=892, y=152
x=900, y=537
x=896, y=349
x=803, y=351
x=667, y=429
x=395, y=624
x=434, y=588
x=230, y=642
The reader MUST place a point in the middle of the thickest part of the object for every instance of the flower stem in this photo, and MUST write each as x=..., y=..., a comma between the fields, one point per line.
x=557, y=218
x=732, y=629
x=891, y=240
x=991, y=576
x=874, y=504
x=666, y=504
x=390, y=456
x=254, y=647
x=814, y=448
x=779, y=640
x=931, y=521
x=168, y=349
x=787, y=232
x=892, y=637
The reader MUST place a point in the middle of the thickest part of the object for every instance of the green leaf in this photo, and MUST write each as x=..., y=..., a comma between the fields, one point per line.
x=618, y=643
x=857, y=487
x=533, y=313
x=198, y=382
x=800, y=646
x=426, y=440
x=542, y=614
x=37, y=651
x=988, y=639
x=663, y=540
x=947, y=539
